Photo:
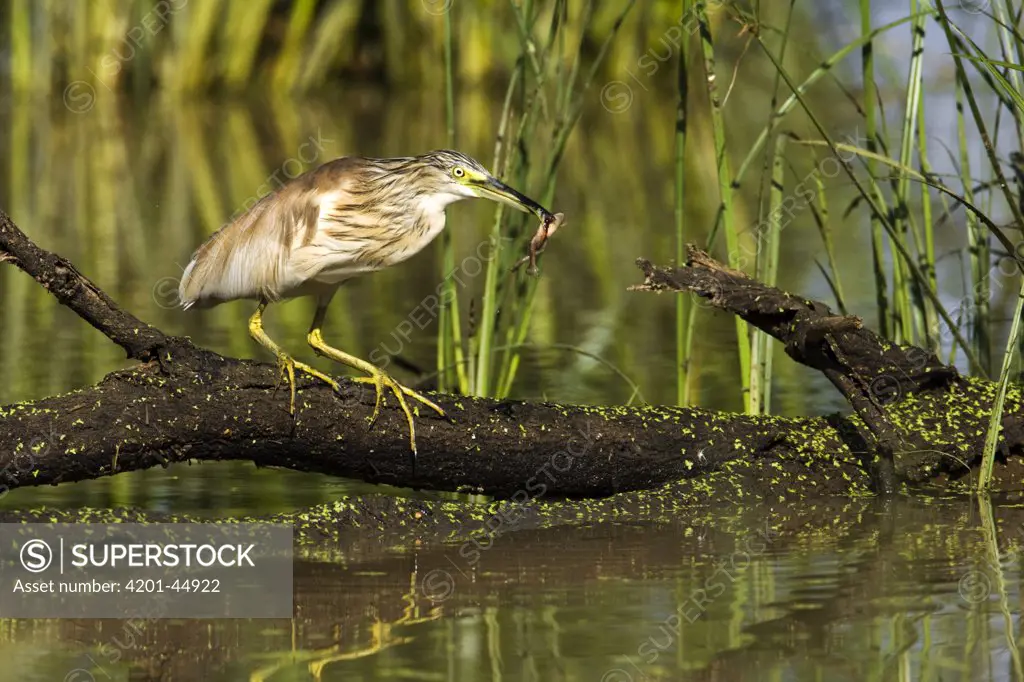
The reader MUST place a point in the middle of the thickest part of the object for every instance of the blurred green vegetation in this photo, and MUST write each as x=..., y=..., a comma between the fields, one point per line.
x=302, y=47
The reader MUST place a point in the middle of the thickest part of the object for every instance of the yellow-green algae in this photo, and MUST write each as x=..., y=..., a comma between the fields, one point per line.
x=808, y=458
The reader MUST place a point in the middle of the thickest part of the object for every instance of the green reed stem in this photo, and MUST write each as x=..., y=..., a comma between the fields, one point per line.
x=870, y=107
x=683, y=330
x=767, y=272
x=864, y=42
x=992, y=435
x=568, y=115
x=820, y=213
x=903, y=221
x=449, y=327
x=1007, y=17
x=766, y=262
x=520, y=290
x=960, y=44
x=867, y=195
x=725, y=188
x=824, y=69
x=493, y=289
x=928, y=265
x=1011, y=43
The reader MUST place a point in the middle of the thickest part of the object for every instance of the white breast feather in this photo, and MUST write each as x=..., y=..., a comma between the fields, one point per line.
x=333, y=261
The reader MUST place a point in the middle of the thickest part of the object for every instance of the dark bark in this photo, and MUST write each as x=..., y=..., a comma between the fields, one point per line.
x=185, y=403
x=851, y=357
x=139, y=340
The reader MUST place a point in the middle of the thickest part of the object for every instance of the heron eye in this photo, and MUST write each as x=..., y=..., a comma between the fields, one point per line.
x=458, y=172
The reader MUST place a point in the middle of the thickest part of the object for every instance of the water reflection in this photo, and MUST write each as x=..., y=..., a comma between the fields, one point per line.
x=861, y=590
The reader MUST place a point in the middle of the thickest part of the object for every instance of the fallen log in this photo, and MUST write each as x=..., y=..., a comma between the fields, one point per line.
x=916, y=420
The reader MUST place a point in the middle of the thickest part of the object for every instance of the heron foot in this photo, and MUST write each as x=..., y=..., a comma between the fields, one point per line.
x=287, y=365
x=380, y=380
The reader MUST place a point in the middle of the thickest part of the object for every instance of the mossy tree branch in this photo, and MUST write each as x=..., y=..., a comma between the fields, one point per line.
x=183, y=403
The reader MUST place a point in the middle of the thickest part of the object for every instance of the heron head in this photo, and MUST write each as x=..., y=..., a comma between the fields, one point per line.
x=464, y=176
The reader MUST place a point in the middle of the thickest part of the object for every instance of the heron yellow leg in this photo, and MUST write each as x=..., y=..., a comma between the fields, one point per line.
x=378, y=377
x=285, y=362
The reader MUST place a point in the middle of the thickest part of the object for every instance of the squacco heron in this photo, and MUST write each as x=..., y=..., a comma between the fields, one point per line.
x=349, y=217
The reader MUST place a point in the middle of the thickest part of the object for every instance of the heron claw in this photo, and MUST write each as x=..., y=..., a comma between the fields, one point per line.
x=287, y=366
x=380, y=381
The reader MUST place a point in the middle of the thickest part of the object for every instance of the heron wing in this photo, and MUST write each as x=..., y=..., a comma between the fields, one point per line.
x=325, y=226
x=248, y=257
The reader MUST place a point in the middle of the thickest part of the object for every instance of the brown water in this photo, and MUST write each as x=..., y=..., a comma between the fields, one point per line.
x=905, y=590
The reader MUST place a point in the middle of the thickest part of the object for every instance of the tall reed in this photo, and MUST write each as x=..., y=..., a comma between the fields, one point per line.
x=766, y=270
x=726, y=214
x=870, y=106
x=768, y=236
x=683, y=303
x=449, y=335
x=962, y=46
x=541, y=71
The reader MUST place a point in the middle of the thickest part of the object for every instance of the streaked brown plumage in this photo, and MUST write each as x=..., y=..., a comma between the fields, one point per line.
x=349, y=217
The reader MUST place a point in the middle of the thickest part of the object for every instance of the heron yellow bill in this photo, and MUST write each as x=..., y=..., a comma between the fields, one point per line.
x=492, y=188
